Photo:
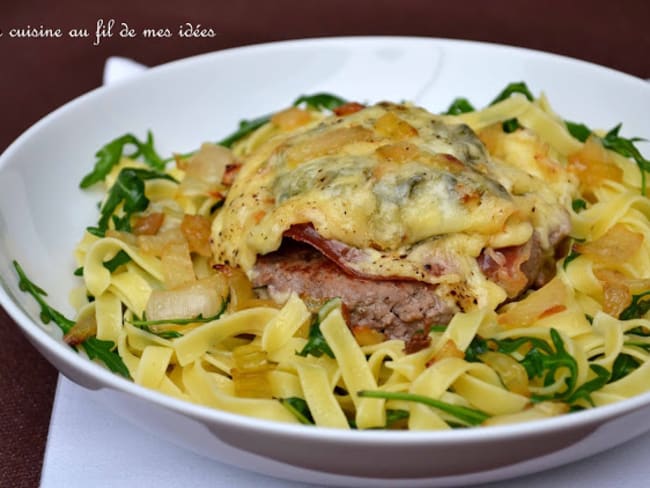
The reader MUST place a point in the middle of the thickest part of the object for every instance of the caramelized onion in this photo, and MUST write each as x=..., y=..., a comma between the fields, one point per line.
x=549, y=299
x=203, y=297
x=616, y=246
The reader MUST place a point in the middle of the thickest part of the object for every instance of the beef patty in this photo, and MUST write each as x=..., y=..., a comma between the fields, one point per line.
x=400, y=309
x=397, y=308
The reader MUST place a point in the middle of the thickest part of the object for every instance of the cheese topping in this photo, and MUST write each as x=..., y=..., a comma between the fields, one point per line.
x=414, y=197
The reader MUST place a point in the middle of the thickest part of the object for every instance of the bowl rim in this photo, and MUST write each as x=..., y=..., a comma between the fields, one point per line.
x=38, y=334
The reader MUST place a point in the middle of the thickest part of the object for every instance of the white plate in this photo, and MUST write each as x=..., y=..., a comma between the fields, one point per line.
x=43, y=214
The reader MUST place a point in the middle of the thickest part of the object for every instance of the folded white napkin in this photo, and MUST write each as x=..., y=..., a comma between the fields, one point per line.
x=89, y=446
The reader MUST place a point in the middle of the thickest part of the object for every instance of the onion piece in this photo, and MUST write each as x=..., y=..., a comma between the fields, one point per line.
x=291, y=118
x=197, y=230
x=156, y=244
x=84, y=328
x=367, y=336
x=551, y=298
x=512, y=374
x=614, y=247
x=149, y=224
x=593, y=164
x=250, y=372
x=177, y=266
x=202, y=297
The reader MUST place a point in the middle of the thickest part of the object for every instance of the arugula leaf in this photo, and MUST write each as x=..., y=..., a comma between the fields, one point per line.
x=583, y=392
x=437, y=328
x=512, y=125
x=320, y=101
x=637, y=308
x=48, y=314
x=623, y=365
x=625, y=147
x=111, y=154
x=578, y=205
x=164, y=334
x=184, y=321
x=470, y=416
x=545, y=365
x=122, y=257
x=127, y=190
x=543, y=360
x=95, y=348
x=459, y=106
x=573, y=254
x=316, y=344
x=151, y=325
x=512, y=88
x=112, y=264
x=105, y=352
x=477, y=347
x=299, y=408
x=245, y=128
x=614, y=142
x=395, y=415
x=578, y=131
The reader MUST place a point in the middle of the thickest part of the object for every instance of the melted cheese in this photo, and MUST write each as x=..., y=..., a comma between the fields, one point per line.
x=407, y=191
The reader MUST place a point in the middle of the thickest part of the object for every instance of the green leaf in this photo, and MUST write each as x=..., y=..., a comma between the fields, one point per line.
x=395, y=415
x=469, y=416
x=437, y=328
x=128, y=191
x=578, y=131
x=106, y=353
x=298, y=407
x=637, y=308
x=320, y=101
x=116, y=261
x=95, y=349
x=573, y=254
x=165, y=334
x=512, y=125
x=184, y=321
x=623, y=365
x=316, y=344
x=614, y=142
x=583, y=392
x=512, y=88
x=543, y=360
x=626, y=148
x=151, y=326
x=245, y=127
x=111, y=154
x=48, y=314
x=459, y=106
x=477, y=347
x=578, y=205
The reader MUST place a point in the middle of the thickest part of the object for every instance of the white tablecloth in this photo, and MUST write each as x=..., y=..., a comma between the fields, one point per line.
x=89, y=446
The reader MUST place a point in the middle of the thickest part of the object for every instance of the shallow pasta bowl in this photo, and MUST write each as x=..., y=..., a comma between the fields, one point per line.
x=43, y=214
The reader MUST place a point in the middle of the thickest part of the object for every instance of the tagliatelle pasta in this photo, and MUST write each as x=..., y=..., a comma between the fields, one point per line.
x=171, y=309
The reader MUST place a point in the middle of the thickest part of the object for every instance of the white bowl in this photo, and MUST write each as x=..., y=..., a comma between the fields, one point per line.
x=43, y=214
